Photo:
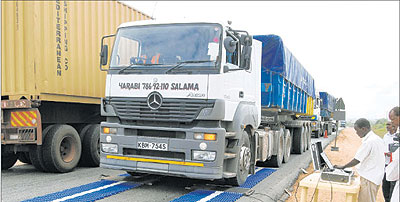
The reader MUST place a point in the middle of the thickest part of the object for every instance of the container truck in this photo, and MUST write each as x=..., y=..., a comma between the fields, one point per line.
x=50, y=108
x=322, y=120
x=201, y=100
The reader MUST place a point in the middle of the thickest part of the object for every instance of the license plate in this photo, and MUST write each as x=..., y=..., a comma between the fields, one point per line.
x=152, y=146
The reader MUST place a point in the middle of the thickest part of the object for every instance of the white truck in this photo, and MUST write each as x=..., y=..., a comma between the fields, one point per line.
x=190, y=99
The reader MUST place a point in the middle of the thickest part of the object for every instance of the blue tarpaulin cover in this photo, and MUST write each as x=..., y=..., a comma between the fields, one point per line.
x=328, y=101
x=278, y=59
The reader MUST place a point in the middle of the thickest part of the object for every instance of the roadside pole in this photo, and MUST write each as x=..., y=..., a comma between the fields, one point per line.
x=335, y=148
x=338, y=115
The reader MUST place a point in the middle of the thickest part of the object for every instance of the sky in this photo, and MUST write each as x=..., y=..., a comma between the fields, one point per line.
x=351, y=49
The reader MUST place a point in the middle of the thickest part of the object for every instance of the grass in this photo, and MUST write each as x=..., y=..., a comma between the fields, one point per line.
x=379, y=129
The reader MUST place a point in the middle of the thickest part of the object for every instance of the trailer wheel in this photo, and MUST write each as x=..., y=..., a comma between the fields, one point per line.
x=309, y=137
x=8, y=160
x=243, y=164
x=82, y=134
x=298, y=140
x=36, y=154
x=276, y=160
x=62, y=149
x=288, y=146
x=305, y=132
x=91, y=147
x=24, y=157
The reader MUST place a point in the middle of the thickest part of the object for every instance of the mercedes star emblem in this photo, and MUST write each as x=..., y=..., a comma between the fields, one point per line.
x=154, y=100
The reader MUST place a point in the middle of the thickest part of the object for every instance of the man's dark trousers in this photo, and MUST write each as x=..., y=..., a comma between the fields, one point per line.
x=387, y=188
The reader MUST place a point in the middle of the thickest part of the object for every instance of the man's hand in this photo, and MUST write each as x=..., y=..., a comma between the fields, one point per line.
x=339, y=167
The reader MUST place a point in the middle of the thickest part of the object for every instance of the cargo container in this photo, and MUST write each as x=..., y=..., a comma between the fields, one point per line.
x=51, y=83
x=327, y=105
x=286, y=84
x=322, y=120
x=209, y=102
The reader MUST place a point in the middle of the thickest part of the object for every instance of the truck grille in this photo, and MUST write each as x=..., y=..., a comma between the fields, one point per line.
x=179, y=110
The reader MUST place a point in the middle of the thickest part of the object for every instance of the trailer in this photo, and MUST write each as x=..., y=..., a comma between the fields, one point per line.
x=201, y=100
x=50, y=92
x=287, y=96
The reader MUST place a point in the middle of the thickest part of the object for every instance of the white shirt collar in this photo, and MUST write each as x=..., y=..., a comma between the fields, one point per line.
x=369, y=134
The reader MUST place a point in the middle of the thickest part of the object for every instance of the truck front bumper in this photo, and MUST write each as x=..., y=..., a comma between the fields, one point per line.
x=175, y=161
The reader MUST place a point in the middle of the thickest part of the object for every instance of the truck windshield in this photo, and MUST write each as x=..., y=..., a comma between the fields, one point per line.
x=165, y=46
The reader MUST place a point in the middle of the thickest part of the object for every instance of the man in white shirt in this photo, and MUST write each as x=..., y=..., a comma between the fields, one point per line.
x=394, y=116
x=392, y=174
x=387, y=186
x=371, y=160
x=392, y=170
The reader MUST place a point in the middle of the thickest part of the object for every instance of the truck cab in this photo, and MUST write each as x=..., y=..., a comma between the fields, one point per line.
x=181, y=99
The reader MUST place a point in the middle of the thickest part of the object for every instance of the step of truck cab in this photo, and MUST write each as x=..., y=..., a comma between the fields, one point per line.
x=229, y=155
x=230, y=134
x=228, y=175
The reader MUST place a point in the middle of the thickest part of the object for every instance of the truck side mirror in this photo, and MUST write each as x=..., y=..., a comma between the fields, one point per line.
x=246, y=57
x=104, y=55
x=230, y=44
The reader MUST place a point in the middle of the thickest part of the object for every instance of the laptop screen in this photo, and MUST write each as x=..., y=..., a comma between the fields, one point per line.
x=325, y=158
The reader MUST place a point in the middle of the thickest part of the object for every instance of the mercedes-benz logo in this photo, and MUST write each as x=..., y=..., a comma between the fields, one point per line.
x=154, y=100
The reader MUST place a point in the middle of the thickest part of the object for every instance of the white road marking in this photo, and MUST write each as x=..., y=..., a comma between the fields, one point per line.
x=88, y=192
x=211, y=196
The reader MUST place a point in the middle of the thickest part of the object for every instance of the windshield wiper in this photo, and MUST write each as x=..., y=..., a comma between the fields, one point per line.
x=180, y=64
x=123, y=69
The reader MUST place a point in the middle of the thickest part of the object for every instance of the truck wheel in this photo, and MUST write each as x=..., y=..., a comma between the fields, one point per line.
x=91, y=147
x=82, y=135
x=8, y=160
x=24, y=157
x=288, y=146
x=304, y=138
x=36, y=154
x=276, y=160
x=298, y=140
x=61, y=149
x=309, y=137
x=84, y=131
x=243, y=164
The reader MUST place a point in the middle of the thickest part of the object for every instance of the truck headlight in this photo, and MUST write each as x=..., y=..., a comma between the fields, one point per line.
x=205, y=136
x=109, y=148
x=203, y=155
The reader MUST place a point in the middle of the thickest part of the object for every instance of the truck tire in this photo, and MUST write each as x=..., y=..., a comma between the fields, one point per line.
x=276, y=160
x=8, y=160
x=24, y=157
x=61, y=149
x=287, y=146
x=309, y=137
x=298, y=140
x=304, y=138
x=36, y=154
x=82, y=134
x=84, y=130
x=91, y=147
x=243, y=163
